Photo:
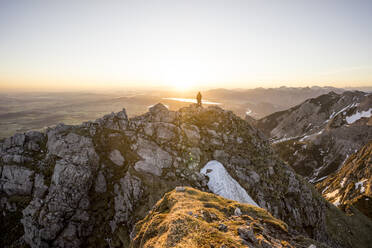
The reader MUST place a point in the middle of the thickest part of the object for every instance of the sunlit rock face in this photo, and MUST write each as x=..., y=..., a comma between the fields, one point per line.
x=91, y=183
x=222, y=184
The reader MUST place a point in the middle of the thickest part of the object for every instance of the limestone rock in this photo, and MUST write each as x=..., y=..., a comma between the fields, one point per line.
x=127, y=194
x=165, y=132
x=16, y=180
x=45, y=219
x=154, y=158
x=39, y=186
x=100, y=185
x=117, y=158
x=247, y=234
x=192, y=133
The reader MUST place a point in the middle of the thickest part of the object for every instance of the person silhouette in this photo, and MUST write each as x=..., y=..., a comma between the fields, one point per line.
x=198, y=98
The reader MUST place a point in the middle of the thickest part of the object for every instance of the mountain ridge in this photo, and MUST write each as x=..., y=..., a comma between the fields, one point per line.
x=87, y=185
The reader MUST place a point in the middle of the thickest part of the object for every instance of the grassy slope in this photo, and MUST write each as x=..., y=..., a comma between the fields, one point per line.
x=191, y=219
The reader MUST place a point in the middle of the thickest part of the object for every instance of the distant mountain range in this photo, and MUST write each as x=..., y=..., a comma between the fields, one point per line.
x=20, y=112
x=260, y=102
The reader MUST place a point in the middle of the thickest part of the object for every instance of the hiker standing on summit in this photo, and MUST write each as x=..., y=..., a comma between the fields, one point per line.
x=198, y=98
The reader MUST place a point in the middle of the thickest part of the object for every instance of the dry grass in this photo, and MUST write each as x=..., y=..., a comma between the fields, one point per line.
x=191, y=219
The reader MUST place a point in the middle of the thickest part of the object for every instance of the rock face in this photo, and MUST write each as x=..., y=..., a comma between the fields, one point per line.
x=16, y=180
x=87, y=185
x=317, y=136
x=352, y=184
x=62, y=214
x=154, y=158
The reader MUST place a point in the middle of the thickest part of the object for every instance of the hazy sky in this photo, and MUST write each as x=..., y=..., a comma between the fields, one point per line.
x=179, y=44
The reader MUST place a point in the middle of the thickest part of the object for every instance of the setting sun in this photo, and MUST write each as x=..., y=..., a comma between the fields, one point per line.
x=181, y=85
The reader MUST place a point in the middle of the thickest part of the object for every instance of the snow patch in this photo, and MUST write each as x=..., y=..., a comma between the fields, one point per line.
x=283, y=139
x=311, y=135
x=315, y=175
x=325, y=189
x=342, y=110
x=222, y=184
x=320, y=179
x=358, y=115
x=342, y=164
x=360, y=183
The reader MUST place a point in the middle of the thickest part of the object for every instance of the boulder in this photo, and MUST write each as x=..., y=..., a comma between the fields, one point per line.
x=192, y=133
x=154, y=159
x=116, y=157
x=165, y=132
x=246, y=233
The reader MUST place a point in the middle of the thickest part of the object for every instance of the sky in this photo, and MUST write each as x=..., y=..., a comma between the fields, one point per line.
x=174, y=44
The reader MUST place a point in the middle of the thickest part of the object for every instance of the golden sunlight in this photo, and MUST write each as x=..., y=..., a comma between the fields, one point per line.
x=181, y=85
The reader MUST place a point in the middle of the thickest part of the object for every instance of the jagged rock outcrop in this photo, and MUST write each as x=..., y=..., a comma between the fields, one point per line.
x=91, y=183
x=317, y=136
x=352, y=184
x=62, y=214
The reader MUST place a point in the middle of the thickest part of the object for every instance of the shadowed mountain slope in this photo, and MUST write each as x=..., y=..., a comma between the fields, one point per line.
x=352, y=184
x=315, y=137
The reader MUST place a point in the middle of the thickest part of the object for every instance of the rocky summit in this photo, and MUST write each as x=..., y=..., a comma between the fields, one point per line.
x=88, y=185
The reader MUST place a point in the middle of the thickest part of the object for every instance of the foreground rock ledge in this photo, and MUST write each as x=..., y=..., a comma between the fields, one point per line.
x=186, y=217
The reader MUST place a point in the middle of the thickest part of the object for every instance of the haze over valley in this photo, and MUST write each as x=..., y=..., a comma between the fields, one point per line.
x=21, y=112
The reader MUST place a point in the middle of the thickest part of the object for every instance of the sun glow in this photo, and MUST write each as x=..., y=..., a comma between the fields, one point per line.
x=181, y=85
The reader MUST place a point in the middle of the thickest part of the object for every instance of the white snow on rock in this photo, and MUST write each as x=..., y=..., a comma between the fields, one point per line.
x=360, y=183
x=283, y=139
x=324, y=190
x=222, y=184
x=358, y=115
x=311, y=135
